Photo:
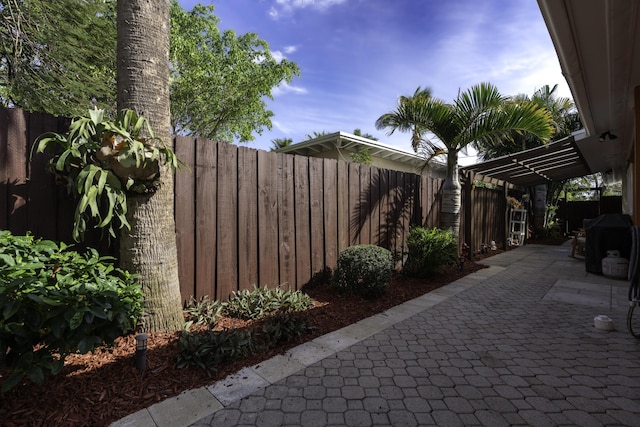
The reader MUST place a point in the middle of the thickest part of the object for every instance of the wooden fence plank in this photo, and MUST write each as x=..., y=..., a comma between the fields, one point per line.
x=206, y=209
x=330, y=213
x=355, y=224
x=40, y=187
x=364, y=201
x=5, y=122
x=17, y=155
x=286, y=221
x=343, y=205
x=185, y=214
x=384, y=235
x=66, y=205
x=403, y=207
x=227, y=220
x=303, y=225
x=316, y=198
x=247, y=218
x=374, y=203
x=267, y=219
x=392, y=220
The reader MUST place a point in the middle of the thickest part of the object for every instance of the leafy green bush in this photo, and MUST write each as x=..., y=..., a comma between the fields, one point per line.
x=203, y=311
x=246, y=304
x=363, y=270
x=283, y=327
x=430, y=250
x=55, y=301
x=211, y=349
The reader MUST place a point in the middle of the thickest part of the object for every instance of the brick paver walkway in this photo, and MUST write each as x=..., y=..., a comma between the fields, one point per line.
x=496, y=354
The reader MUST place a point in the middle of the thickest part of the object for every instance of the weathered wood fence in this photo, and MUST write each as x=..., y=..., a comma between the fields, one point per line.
x=246, y=217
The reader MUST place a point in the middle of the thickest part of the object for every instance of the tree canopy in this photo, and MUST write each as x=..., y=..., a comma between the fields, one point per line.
x=59, y=57
x=219, y=80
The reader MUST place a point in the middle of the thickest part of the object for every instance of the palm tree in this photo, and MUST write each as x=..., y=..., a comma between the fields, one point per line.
x=564, y=116
x=149, y=249
x=317, y=134
x=278, y=143
x=358, y=132
x=565, y=120
x=480, y=116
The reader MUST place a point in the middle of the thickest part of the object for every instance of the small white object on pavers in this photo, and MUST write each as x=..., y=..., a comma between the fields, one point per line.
x=603, y=322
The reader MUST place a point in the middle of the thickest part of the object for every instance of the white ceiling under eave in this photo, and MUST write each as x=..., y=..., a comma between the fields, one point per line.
x=598, y=46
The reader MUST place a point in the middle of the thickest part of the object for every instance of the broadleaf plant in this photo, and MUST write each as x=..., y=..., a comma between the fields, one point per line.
x=104, y=160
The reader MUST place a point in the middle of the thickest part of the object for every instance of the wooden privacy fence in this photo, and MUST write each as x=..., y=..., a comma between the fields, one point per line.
x=246, y=217
x=249, y=217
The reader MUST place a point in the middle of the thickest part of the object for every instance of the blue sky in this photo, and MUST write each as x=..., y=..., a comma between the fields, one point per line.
x=357, y=56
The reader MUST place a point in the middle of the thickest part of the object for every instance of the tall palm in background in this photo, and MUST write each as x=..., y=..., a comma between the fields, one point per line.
x=565, y=120
x=277, y=143
x=478, y=117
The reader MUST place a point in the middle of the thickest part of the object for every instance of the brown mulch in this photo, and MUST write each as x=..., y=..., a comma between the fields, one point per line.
x=98, y=388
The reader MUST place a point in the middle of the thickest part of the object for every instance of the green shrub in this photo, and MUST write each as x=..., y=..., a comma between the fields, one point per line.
x=283, y=327
x=262, y=301
x=203, y=311
x=55, y=301
x=430, y=250
x=211, y=349
x=363, y=270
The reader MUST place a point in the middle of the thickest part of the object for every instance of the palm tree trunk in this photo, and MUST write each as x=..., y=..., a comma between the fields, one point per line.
x=451, y=196
x=539, y=208
x=149, y=249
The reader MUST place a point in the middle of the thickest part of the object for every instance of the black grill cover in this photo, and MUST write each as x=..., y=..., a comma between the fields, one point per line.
x=605, y=233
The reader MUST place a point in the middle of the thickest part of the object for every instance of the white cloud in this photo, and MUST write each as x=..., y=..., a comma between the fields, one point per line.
x=285, y=88
x=290, y=49
x=289, y=6
x=277, y=55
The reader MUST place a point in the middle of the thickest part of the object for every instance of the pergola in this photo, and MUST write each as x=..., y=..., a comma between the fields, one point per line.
x=553, y=162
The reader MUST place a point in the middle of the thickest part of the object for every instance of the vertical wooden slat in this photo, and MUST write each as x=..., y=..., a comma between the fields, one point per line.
x=365, y=204
x=5, y=123
x=286, y=220
x=227, y=220
x=343, y=205
x=384, y=239
x=247, y=218
x=393, y=207
x=425, y=200
x=17, y=171
x=267, y=219
x=354, y=204
x=330, y=213
x=185, y=214
x=374, y=203
x=206, y=208
x=41, y=190
x=400, y=211
x=316, y=198
x=65, y=208
x=302, y=219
